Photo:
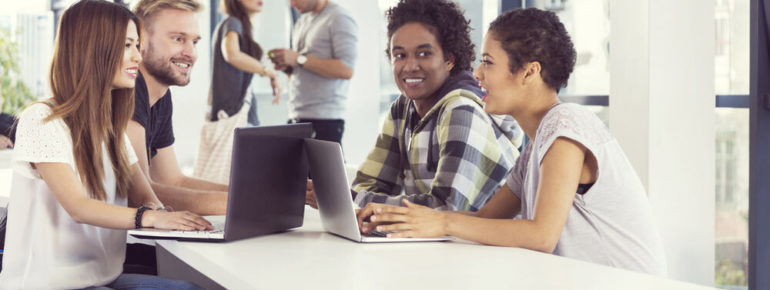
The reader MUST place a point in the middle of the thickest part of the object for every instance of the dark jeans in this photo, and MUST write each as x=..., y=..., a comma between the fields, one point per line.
x=140, y=259
x=253, y=117
x=325, y=129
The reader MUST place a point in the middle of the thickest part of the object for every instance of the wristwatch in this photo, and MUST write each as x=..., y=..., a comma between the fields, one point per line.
x=301, y=60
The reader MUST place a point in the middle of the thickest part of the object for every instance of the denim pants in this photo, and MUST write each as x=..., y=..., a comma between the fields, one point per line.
x=253, y=120
x=138, y=281
x=325, y=129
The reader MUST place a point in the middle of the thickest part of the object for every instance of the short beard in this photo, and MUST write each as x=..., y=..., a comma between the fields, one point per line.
x=162, y=71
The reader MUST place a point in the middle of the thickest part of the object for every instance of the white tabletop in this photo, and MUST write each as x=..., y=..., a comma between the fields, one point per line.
x=310, y=258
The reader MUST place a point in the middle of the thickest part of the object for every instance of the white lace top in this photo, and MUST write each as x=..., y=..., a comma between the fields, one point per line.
x=44, y=247
x=609, y=224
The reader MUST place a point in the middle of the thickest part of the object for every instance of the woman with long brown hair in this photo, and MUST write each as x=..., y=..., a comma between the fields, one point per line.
x=75, y=173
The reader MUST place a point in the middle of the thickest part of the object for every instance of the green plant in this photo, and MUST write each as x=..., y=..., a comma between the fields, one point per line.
x=14, y=94
x=729, y=274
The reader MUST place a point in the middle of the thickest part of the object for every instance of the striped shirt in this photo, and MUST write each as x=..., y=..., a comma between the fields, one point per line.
x=454, y=158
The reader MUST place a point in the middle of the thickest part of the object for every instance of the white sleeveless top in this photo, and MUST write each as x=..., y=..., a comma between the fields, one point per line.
x=44, y=247
x=611, y=223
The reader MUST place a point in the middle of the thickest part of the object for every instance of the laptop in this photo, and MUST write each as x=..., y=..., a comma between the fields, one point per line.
x=268, y=177
x=335, y=202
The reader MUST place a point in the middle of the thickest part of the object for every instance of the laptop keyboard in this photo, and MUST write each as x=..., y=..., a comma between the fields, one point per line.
x=376, y=234
x=219, y=228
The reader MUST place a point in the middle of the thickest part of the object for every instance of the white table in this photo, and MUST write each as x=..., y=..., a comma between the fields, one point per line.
x=308, y=258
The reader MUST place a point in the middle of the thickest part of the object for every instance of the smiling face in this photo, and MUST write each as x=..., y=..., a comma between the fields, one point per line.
x=505, y=90
x=169, y=48
x=125, y=76
x=419, y=64
x=251, y=6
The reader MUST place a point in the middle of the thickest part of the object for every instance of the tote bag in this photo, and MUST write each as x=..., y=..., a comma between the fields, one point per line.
x=216, y=145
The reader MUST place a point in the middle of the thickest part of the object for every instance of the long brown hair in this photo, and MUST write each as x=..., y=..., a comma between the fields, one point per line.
x=89, y=50
x=235, y=9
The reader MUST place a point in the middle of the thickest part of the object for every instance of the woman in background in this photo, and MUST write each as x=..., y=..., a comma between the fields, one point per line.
x=236, y=59
x=74, y=170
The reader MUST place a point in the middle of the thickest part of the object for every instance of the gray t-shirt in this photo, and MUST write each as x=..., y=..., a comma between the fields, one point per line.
x=228, y=84
x=611, y=223
x=332, y=33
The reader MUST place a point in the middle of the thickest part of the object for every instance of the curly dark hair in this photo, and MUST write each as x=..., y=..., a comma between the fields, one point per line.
x=531, y=34
x=445, y=20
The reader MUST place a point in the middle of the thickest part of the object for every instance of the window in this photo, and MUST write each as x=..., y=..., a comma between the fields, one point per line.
x=731, y=72
x=732, y=196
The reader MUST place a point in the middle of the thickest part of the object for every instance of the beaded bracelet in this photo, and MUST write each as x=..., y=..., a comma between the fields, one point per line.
x=138, y=218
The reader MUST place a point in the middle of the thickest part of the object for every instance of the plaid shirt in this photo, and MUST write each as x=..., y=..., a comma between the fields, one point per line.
x=454, y=158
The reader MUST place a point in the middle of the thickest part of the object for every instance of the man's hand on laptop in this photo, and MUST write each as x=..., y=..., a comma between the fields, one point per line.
x=310, y=195
x=365, y=224
x=409, y=221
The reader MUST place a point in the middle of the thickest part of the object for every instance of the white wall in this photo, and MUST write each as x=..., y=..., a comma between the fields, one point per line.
x=662, y=112
x=25, y=5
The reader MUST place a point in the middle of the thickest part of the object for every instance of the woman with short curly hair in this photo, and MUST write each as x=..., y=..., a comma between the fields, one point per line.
x=573, y=187
x=437, y=144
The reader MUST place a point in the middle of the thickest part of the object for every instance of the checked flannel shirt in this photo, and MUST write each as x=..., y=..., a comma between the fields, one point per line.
x=454, y=158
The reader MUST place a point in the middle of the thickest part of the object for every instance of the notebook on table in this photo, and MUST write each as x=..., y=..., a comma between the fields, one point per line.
x=266, y=195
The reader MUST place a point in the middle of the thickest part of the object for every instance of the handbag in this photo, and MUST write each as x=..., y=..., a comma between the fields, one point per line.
x=216, y=145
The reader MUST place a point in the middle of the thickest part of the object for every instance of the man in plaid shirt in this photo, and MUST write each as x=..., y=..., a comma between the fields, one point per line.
x=437, y=146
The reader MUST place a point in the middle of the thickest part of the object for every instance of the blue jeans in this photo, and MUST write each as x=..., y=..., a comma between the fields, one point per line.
x=138, y=281
x=253, y=118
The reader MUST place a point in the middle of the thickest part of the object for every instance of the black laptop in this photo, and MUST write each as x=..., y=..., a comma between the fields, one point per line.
x=268, y=176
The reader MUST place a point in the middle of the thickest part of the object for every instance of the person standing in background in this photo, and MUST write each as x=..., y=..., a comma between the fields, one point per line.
x=319, y=66
x=236, y=58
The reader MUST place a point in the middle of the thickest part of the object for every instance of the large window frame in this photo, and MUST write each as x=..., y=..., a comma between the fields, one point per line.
x=759, y=161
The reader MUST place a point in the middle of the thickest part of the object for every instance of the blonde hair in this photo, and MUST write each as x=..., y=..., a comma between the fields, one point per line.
x=146, y=9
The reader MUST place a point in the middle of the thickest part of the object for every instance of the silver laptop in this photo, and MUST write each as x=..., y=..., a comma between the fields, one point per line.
x=266, y=195
x=334, y=198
